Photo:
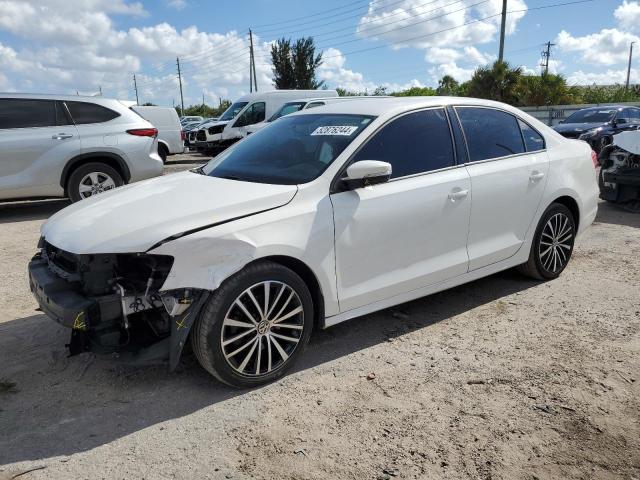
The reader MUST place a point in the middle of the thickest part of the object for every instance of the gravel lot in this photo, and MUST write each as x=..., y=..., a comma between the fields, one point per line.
x=503, y=378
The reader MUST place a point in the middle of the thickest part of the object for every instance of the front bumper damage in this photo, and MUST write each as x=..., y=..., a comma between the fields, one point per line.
x=113, y=304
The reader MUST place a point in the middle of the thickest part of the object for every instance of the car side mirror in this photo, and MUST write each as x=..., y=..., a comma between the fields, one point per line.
x=367, y=172
x=619, y=121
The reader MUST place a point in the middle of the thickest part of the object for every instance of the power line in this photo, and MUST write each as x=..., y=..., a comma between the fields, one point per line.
x=311, y=15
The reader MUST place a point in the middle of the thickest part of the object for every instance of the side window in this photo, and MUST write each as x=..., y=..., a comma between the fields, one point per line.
x=490, y=133
x=254, y=114
x=314, y=105
x=414, y=143
x=85, y=112
x=532, y=139
x=26, y=113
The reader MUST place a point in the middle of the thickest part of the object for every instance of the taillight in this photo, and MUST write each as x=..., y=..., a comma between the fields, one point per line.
x=143, y=132
x=594, y=159
x=183, y=136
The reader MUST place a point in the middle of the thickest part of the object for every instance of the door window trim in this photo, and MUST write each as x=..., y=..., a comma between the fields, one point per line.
x=333, y=188
x=493, y=159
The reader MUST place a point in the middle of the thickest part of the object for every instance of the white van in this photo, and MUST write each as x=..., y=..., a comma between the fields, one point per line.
x=170, y=134
x=249, y=110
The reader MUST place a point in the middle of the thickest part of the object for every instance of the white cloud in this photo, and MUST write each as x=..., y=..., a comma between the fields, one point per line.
x=609, y=46
x=438, y=23
x=177, y=4
x=628, y=15
x=75, y=45
x=609, y=77
x=453, y=69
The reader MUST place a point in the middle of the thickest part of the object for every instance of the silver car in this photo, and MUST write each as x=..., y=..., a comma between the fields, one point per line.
x=56, y=146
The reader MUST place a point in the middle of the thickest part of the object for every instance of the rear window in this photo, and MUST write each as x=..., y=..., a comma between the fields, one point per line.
x=84, y=113
x=490, y=133
x=27, y=113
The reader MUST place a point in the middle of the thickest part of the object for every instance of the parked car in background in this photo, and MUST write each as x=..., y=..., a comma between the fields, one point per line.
x=192, y=118
x=170, y=131
x=328, y=214
x=303, y=104
x=56, y=146
x=246, y=112
x=597, y=125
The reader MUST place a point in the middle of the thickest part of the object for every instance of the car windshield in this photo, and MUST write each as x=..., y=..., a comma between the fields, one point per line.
x=286, y=109
x=291, y=151
x=231, y=112
x=596, y=115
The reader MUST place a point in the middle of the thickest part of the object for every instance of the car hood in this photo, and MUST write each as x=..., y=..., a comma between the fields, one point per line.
x=135, y=217
x=576, y=127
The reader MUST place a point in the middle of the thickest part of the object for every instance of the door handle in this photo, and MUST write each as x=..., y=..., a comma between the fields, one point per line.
x=536, y=175
x=61, y=136
x=458, y=194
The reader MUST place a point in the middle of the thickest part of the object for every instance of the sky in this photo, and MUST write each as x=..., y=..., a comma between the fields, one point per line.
x=88, y=46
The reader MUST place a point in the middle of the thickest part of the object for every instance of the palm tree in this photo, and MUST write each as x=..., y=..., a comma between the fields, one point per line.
x=497, y=82
x=546, y=89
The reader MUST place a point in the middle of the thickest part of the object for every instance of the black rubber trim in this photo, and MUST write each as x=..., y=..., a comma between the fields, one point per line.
x=126, y=174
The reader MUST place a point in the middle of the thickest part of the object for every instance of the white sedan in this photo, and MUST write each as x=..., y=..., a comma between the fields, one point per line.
x=325, y=215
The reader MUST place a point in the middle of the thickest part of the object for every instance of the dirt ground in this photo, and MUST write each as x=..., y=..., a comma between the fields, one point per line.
x=503, y=378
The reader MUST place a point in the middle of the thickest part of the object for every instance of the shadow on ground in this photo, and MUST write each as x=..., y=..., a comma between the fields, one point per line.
x=610, y=213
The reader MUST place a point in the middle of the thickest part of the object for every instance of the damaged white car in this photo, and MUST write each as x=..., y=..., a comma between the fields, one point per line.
x=325, y=215
x=620, y=172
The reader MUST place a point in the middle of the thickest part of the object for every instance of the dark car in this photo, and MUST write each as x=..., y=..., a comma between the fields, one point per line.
x=597, y=125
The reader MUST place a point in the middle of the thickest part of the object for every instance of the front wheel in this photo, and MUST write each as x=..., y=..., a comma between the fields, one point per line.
x=255, y=326
x=552, y=244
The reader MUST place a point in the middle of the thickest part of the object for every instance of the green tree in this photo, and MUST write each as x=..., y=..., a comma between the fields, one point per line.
x=449, y=86
x=205, y=110
x=497, y=82
x=415, y=92
x=546, y=89
x=294, y=67
x=607, y=94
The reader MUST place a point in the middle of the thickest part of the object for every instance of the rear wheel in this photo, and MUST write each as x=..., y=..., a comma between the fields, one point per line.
x=552, y=244
x=92, y=179
x=255, y=326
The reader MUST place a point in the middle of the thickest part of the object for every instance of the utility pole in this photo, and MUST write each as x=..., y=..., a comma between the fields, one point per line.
x=546, y=54
x=180, y=81
x=252, y=64
x=135, y=87
x=503, y=25
x=626, y=87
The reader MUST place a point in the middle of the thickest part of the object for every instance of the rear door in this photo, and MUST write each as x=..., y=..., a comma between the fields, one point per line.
x=91, y=120
x=508, y=166
x=36, y=140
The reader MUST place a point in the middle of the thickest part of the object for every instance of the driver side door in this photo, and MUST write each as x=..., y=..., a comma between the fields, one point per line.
x=410, y=232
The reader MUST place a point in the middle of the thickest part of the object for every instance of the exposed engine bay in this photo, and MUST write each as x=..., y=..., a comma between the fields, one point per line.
x=620, y=171
x=113, y=302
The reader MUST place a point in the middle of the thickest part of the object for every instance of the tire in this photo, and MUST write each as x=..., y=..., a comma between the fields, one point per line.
x=163, y=152
x=550, y=253
x=92, y=179
x=243, y=360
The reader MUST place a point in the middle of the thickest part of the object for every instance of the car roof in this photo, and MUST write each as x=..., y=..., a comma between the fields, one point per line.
x=616, y=107
x=377, y=106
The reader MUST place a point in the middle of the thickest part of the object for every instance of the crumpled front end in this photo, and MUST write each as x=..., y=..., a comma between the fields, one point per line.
x=112, y=302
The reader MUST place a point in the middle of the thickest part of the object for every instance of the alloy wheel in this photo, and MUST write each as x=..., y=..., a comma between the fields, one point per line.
x=262, y=328
x=556, y=243
x=94, y=183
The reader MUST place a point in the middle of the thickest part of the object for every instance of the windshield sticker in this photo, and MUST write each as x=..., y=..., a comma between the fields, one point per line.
x=344, y=130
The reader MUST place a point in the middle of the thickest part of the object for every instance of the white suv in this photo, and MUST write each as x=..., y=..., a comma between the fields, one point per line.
x=56, y=146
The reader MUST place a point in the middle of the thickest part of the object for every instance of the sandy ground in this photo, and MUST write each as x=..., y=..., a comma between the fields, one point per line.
x=503, y=378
